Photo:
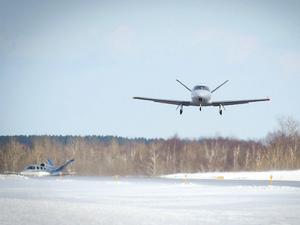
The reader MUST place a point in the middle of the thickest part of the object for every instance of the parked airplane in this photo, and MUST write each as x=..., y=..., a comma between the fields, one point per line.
x=201, y=96
x=45, y=169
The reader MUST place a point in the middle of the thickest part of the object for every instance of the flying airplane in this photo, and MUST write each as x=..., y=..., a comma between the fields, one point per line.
x=45, y=169
x=201, y=96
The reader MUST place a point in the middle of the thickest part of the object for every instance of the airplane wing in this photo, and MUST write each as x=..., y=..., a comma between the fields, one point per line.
x=166, y=101
x=236, y=102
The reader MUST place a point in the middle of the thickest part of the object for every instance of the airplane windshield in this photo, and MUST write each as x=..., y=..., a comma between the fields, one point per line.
x=30, y=167
x=201, y=88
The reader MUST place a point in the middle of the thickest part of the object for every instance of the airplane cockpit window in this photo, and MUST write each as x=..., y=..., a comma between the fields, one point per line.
x=201, y=88
x=30, y=168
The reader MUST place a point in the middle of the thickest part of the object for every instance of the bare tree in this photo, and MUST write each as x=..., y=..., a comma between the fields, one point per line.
x=106, y=155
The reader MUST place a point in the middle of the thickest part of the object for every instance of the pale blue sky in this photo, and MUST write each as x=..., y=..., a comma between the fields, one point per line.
x=72, y=67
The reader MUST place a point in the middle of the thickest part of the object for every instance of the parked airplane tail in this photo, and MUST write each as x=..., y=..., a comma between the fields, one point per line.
x=50, y=162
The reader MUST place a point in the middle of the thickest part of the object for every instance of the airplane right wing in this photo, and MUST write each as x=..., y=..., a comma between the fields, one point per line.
x=236, y=102
x=165, y=101
x=64, y=165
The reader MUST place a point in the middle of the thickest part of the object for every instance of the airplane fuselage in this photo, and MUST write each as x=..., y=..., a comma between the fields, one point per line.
x=39, y=170
x=201, y=95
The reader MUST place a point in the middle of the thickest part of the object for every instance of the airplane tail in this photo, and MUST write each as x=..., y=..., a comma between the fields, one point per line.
x=62, y=167
x=50, y=162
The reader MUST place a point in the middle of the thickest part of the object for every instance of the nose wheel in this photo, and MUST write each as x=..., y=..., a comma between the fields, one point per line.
x=181, y=109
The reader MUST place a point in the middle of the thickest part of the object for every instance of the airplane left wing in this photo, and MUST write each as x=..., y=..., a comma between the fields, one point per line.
x=236, y=102
x=165, y=101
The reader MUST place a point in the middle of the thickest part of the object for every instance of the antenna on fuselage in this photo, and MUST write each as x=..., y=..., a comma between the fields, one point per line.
x=184, y=85
x=219, y=86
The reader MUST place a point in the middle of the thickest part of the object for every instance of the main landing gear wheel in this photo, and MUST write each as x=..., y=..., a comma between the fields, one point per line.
x=220, y=109
x=181, y=109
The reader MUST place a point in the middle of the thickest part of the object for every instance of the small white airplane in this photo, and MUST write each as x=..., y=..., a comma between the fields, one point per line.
x=201, y=96
x=45, y=169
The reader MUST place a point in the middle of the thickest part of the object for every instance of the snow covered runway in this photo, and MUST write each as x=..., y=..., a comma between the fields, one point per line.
x=110, y=201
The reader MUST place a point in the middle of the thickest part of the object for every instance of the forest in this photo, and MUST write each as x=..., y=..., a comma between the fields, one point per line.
x=111, y=155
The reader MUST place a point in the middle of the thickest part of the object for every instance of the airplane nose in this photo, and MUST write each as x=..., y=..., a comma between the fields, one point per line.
x=203, y=96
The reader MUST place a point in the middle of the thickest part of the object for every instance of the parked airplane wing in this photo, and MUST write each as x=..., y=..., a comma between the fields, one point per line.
x=173, y=102
x=64, y=165
x=236, y=102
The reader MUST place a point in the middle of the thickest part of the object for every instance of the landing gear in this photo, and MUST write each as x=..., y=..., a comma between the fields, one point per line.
x=221, y=109
x=181, y=109
x=200, y=108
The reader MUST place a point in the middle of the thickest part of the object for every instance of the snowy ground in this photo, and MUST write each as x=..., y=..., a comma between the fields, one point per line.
x=288, y=175
x=139, y=201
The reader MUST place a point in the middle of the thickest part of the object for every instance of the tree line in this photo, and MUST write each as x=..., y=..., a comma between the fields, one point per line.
x=110, y=155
